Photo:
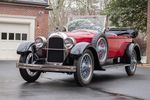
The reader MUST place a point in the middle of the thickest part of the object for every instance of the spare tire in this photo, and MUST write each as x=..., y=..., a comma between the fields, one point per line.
x=101, y=45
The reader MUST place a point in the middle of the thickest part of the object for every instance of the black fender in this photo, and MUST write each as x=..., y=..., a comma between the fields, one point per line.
x=79, y=48
x=25, y=47
x=136, y=47
x=95, y=39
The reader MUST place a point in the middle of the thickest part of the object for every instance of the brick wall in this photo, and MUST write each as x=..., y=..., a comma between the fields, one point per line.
x=41, y=25
x=148, y=34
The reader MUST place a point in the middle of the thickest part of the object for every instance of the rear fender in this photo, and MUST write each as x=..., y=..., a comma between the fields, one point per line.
x=136, y=48
x=25, y=47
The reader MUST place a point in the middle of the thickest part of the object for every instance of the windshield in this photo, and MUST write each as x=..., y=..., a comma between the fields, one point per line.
x=83, y=24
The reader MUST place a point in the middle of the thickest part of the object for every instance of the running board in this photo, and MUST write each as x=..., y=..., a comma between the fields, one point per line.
x=115, y=65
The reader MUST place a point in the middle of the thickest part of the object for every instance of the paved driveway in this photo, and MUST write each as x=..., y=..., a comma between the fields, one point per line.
x=113, y=84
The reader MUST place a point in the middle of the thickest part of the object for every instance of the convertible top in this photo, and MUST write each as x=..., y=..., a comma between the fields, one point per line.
x=123, y=31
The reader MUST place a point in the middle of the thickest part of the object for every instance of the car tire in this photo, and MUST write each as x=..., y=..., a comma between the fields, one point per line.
x=85, y=67
x=27, y=74
x=132, y=56
x=102, y=54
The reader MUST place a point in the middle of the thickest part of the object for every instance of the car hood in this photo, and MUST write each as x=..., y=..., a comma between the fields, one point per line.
x=82, y=35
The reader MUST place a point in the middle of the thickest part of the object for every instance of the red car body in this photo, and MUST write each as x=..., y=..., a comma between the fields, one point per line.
x=116, y=44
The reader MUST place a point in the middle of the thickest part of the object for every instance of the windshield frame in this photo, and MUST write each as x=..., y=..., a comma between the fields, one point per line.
x=82, y=23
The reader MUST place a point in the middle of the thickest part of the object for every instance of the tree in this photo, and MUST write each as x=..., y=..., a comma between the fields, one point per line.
x=62, y=10
x=57, y=13
x=128, y=13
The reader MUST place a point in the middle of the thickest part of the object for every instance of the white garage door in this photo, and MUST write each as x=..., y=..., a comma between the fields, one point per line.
x=11, y=34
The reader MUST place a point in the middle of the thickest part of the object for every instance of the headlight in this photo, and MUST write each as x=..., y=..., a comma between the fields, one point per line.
x=69, y=42
x=40, y=42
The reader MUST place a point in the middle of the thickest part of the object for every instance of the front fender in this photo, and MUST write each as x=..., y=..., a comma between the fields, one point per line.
x=79, y=48
x=24, y=47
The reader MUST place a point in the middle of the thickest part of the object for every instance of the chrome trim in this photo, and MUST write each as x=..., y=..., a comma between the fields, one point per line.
x=44, y=41
x=55, y=63
x=54, y=49
x=58, y=34
x=73, y=40
x=43, y=38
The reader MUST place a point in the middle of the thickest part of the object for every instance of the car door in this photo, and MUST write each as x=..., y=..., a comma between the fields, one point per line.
x=117, y=45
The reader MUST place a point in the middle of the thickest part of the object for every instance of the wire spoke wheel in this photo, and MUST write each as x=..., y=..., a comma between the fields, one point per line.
x=85, y=67
x=133, y=62
x=30, y=60
x=102, y=49
x=28, y=74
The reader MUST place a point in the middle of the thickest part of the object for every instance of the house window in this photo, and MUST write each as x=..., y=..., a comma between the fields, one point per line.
x=4, y=36
x=18, y=36
x=24, y=36
x=11, y=36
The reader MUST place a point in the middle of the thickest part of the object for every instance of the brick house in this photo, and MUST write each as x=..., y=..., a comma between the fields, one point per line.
x=20, y=20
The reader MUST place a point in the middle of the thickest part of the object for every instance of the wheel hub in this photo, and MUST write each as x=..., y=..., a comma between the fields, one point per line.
x=133, y=62
x=86, y=67
x=102, y=49
x=29, y=60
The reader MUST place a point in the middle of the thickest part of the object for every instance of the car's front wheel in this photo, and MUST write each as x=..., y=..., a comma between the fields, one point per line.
x=85, y=67
x=28, y=74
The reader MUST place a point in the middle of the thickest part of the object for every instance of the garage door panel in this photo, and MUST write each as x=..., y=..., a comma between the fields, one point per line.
x=16, y=33
x=12, y=27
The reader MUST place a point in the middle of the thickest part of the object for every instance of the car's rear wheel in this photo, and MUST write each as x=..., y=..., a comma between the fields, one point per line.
x=85, y=67
x=130, y=70
x=28, y=74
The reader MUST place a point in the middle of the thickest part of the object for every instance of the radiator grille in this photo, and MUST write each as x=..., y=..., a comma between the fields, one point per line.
x=55, y=50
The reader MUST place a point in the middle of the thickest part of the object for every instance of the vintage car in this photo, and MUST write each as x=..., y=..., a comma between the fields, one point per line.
x=81, y=49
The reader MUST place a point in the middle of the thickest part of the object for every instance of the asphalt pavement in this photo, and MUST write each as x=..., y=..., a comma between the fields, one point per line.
x=112, y=84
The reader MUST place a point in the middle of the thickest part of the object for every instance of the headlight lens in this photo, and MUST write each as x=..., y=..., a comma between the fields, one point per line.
x=40, y=42
x=69, y=42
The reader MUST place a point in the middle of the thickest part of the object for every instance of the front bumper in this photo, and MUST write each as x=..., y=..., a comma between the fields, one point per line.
x=47, y=67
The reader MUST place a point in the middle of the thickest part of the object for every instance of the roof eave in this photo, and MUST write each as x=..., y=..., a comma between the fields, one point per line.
x=26, y=3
